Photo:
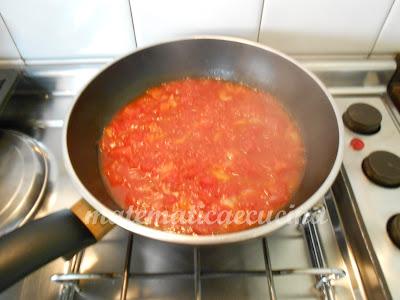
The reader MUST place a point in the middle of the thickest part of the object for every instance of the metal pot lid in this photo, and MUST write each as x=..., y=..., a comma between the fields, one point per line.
x=23, y=178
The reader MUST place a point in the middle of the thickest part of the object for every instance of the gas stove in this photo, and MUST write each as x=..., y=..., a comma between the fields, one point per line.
x=347, y=254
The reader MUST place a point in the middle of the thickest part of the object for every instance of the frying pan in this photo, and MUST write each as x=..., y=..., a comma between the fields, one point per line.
x=301, y=93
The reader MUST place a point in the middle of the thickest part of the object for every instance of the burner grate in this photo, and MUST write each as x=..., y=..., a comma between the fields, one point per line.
x=307, y=225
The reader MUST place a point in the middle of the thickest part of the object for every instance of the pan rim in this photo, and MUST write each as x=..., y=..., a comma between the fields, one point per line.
x=255, y=232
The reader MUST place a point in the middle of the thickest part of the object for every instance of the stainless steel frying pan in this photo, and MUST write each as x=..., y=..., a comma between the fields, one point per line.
x=258, y=66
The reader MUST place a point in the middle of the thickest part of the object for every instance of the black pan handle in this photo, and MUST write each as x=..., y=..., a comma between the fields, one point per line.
x=25, y=249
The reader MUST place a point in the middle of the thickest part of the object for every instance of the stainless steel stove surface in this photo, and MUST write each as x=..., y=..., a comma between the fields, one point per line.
x=376, y=203
x=300, y=261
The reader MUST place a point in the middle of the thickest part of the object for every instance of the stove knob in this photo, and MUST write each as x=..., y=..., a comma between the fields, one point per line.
x=362, y=118
x=393, y=229
x=382, y=168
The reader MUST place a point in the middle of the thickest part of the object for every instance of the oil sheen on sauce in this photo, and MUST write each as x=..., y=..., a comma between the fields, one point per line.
x=220, y=154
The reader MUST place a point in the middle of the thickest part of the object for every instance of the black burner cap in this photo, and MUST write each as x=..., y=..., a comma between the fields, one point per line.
x=393, y=229
x=362, y=118
x=383, y=168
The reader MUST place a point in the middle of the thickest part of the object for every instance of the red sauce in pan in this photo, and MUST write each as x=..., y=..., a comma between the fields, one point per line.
x=205, y=147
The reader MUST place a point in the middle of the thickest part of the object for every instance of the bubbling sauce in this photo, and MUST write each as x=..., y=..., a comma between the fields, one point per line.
x=202, y=156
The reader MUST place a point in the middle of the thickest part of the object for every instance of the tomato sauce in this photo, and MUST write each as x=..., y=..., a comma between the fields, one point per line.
x=204, y=147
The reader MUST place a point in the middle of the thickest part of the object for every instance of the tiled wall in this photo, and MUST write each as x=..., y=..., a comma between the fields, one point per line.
x=59, y=29
x=389, y=38
x=323, y=27
x=157, y=20
x=7, y=47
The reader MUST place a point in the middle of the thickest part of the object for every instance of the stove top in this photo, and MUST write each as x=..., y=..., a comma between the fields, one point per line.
x=377, y=202
x=347, y=255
